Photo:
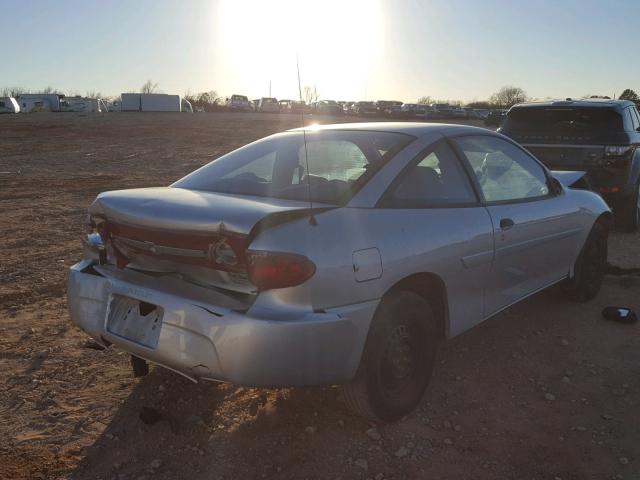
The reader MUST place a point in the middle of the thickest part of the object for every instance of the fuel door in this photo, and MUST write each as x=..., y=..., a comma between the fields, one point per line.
x=367, y=264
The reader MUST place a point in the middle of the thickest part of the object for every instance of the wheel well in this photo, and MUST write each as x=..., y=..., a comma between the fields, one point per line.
x=605, y=219
x=430, y=287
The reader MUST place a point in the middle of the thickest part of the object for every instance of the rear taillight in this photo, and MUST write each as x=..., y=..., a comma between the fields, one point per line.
x=269, y=270
x=616, y=150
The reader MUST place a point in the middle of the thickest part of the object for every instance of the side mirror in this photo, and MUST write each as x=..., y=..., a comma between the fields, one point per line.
x=556, y=186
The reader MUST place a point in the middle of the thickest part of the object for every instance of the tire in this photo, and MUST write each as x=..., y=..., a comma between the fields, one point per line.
x=628, y=215
x=590, y=266
x=397, y=361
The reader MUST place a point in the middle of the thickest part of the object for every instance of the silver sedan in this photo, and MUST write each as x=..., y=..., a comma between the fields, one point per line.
x=339, y=254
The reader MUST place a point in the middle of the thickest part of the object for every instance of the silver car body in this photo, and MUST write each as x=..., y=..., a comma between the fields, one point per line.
x=314, y=333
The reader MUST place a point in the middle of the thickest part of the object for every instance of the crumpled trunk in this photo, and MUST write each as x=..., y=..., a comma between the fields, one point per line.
x=200, y=236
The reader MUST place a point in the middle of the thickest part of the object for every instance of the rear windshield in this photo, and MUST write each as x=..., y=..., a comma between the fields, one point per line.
x=239, y=97
x=339, y=163
x=563, y=119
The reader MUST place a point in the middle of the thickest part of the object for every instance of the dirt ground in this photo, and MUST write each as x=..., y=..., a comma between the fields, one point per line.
x=545, y=390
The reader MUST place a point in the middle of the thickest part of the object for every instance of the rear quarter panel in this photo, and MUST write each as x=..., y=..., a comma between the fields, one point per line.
x=410, y=241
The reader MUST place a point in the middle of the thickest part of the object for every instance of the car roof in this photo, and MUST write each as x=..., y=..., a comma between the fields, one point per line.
x=415, y=129
x=604, y=103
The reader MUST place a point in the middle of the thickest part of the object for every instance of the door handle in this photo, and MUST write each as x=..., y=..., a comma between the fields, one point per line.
x=506, y=223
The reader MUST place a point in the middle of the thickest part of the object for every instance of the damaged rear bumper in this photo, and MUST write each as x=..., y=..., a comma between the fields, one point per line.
x=204, y=336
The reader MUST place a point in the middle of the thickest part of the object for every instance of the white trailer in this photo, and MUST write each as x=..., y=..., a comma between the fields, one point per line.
x=81, y=104
x=9, y=105
x=154, y=102
x=130, y=102
x=39, y=102
x=150, y=102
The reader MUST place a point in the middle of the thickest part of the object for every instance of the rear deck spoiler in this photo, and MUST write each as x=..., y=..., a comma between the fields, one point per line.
x=572, y=179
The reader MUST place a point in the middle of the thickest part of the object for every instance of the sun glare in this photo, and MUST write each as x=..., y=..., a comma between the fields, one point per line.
x=335, y=42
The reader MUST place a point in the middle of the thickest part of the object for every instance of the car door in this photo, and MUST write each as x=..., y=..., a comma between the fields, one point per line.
x=441, y=227
x=536, y=228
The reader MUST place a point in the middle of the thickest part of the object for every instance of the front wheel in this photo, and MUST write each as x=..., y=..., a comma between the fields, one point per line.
x=397, y=361
x=590, y=266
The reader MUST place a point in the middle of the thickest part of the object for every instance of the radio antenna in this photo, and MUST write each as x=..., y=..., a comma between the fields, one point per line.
x=312, y=219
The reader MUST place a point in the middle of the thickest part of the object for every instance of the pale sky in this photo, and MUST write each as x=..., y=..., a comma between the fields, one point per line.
x=348, y=49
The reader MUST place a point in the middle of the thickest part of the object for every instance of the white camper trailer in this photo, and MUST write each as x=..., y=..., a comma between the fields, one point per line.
x=40, y=102
x=9, y=105
x=150, y=102
x=81, y=104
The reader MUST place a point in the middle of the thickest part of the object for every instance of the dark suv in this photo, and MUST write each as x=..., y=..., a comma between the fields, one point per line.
x=599, y=137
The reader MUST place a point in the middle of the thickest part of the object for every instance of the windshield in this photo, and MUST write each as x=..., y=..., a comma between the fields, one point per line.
x=339, y=163
x=564, y=119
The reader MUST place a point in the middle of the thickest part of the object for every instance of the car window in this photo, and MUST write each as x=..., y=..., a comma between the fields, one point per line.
x=563, y=119
x=333, y=159
x=635, y=120
x=322, y=166
x=260, y=169
x=437, y=179
x=504, y=171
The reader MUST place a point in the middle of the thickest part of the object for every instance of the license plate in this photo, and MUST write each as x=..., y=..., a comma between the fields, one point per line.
x=135, y=320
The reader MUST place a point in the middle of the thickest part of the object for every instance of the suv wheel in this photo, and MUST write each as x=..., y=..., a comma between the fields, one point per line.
x=590, y=266
x=628, y=216
x=397, y=361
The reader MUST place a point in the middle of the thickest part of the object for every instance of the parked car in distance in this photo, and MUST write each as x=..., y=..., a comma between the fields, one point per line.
x=601, y=137
x=441, y=110
x=252, y=270
x=412, y=110
x=477, y=114
x=9, y=105
x=283, y=105
x=238, y=103
x=494, y=118
x=268, y=105
x=389, y=108
x=365, y=109
x=459, y=112
x=348, y=108
x=327, y=107
x=292, y=106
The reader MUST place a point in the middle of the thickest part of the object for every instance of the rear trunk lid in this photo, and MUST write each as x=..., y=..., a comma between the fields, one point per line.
x=568, y=157
x=570, y=136
x=200, y=236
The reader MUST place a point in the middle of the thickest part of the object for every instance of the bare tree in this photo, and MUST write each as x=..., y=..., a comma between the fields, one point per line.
x=207, y=101
x=48, y=90
x=149, y=87
x=93, y=94
x=12, y=91
x=426, y=100
x=310, y=94
x=508, y=96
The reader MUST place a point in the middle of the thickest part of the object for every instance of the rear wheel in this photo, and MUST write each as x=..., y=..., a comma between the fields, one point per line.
x=590, y=265
x=397, y=361
x=628, y=215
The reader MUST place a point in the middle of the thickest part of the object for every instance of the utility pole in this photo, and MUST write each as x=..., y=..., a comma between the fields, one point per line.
x=269, y=87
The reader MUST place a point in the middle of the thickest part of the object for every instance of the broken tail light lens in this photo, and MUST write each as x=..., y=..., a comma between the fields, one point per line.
x=270, y=270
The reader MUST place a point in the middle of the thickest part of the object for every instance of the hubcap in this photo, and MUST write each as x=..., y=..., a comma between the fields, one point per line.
x=399, y=353
x=400, y=362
